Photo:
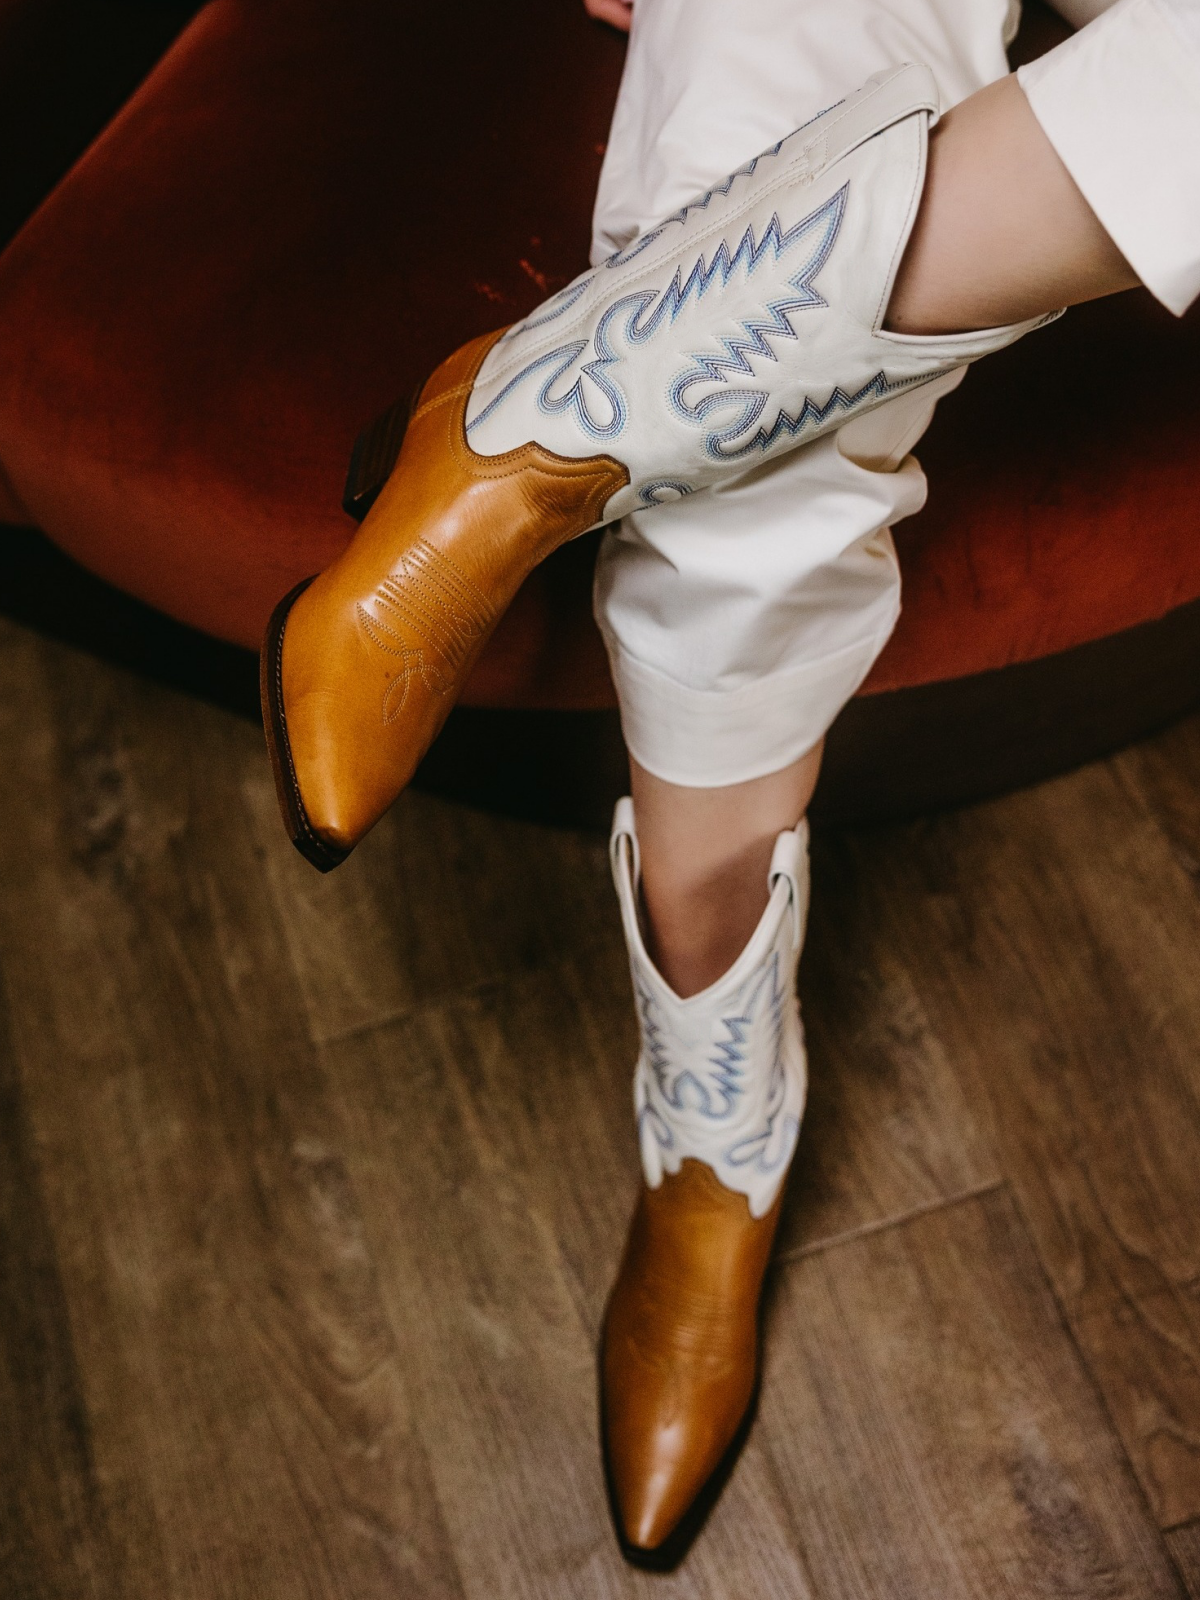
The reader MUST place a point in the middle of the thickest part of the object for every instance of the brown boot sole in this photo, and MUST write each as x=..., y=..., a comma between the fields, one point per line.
x=323, y=855
x=376, y=451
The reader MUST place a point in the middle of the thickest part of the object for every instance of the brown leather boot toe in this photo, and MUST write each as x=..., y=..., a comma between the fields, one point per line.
x=680, y=1349
x=362, y=665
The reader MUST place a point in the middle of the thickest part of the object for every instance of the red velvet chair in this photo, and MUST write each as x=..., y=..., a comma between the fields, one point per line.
x=307, y=204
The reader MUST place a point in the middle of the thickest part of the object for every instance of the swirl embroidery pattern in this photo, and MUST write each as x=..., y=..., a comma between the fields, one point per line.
x=430, y=615
x=595, y=400
x=715, y=1088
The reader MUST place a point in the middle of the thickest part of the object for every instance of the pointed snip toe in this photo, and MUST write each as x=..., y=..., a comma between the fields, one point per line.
x=321, y=852
x=362, y=664
x=679, y=1363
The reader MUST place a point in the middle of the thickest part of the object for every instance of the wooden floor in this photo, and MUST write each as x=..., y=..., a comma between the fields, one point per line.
x=311, y=1190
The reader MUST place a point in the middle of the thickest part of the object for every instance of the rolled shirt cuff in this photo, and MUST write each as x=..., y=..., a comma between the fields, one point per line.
x=709, y=738
x=1120, y=103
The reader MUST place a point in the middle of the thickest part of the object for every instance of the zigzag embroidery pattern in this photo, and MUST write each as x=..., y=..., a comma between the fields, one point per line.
x=753, y=1150
x=701, y=203
x=683, y=1090
x=715, y=1092
x=648, y=311
x=643, y=241
x=752, y=403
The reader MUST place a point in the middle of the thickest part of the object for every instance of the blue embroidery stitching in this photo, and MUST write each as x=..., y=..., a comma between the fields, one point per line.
x=550, y=309
x=643, y=241
x=752, y=1150
x=656, y=493
x=701, y=202
x=751, y=403
x=879, y=387
x=714, y=1094
x=659, y=1128
x=642, y=323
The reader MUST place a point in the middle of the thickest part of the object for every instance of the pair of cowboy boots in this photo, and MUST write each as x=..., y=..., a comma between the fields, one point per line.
x=747, y=324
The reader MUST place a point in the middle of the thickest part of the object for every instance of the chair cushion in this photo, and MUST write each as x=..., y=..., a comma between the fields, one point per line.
x=66, y=66
x=304, y=209
x=306, y=205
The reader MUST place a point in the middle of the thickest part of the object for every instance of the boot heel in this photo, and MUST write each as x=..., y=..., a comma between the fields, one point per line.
x=376, y=451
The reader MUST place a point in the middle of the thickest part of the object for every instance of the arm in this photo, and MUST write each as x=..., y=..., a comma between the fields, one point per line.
x=618, y=13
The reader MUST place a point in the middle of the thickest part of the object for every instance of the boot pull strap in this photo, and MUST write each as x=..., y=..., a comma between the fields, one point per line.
x=789, y=860
x=626, y=861
x=623, y=845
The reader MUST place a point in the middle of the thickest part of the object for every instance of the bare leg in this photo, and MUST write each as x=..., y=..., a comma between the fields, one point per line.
x=705, y=855
x=1003, y=232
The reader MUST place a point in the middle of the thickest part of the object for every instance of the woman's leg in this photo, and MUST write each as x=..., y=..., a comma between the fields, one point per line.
x=1020, y=175
x=1004, y=232
x=738, y=622
x=705, y=860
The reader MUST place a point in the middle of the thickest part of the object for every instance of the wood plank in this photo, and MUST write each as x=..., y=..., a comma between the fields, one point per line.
x=437, y=899
x=340, y=1304
x=1064, y=976
x=53, y=1536
x=888, y=1129
x=496, y=1196
x=1165, y=772
x=934, y=1427
x=1051, y=936
x=1184, y=1545
x=1145, y=1355
x=441, y=899
x=248, y=1404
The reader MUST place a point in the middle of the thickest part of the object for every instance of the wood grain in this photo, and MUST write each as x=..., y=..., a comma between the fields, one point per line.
x=1145, y=1355
x=247, y=1402
x=1184, y=1545
x=935, y=1429
x=1052, y=936
x=888, y=1129
x=496, y=1199
x=53, y=1538
x=313, y=1189
x=436, y=900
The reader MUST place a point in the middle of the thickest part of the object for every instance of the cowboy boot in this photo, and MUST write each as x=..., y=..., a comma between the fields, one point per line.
x=719, y=1093
x=745, y=325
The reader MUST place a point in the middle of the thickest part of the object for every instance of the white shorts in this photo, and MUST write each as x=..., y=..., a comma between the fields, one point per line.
x=740, y=620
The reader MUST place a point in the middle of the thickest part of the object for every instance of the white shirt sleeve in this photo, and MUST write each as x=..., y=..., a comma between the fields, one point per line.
x=1120, y=102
